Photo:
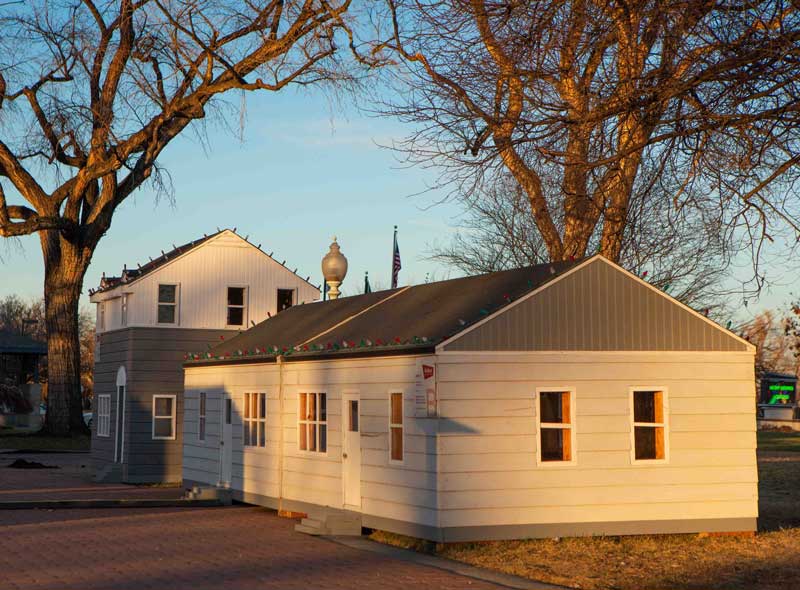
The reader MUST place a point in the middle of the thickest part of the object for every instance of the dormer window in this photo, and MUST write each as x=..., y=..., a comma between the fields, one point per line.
x=168, y=304
x=236, y=306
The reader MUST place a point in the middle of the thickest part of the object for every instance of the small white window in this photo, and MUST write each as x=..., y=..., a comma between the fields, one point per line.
x=163, y=417
x=101, y=315
x=285, y=299
x=201, y=417
x=124, y=314
x=312, y=422
x=104, y=415
x=396, y=426
x=649, y=432
x=255, y=420
x=555, y=418
x=237, y=306
x=167, y=304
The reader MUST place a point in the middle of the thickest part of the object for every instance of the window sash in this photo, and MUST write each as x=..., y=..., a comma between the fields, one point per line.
x=396, y=429
x=169, y=307
x=237, y=306
x=254, y=423
x=565, y=412
x=104, y=415
x=312, y=422
x=160, y=419
x=201, y=418
x=647, y=449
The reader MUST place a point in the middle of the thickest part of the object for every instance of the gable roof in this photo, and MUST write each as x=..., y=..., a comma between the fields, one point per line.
x=399, y=320
x=13, y=343
x=128, y=276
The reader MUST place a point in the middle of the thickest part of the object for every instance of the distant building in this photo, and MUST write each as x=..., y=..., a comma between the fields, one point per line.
x=189, y=298
x=554, y=400
x=20, y=357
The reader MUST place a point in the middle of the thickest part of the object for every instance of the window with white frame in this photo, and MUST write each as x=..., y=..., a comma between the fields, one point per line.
x=167, y=304
x=124, y=312
x=201, y=417
x=649, y=425
x=555, y=425
x=163, y=417
x=396, y=426
x=101, y=315
x=237, y=306
x=312, y=423
x=255, y=420
x=104, y=415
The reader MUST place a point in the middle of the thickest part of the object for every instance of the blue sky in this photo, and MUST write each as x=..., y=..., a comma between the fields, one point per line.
x=301, y=173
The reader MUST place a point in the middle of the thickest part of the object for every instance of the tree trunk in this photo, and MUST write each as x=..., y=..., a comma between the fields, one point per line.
x=65, y=268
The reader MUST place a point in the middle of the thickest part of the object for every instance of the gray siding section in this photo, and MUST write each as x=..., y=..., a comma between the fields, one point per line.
x=153, y=360
x=597, y=307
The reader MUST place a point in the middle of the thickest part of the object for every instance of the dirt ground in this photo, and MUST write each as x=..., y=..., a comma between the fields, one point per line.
x=768, y=561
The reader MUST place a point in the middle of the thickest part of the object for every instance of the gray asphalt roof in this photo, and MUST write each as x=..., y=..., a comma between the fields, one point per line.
x=408, y=319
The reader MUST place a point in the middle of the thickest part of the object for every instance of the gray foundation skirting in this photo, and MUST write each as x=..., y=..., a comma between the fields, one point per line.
x=521, y=531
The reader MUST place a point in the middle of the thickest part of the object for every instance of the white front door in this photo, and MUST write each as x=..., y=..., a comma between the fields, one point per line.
x=351, y=450
x=225, y=441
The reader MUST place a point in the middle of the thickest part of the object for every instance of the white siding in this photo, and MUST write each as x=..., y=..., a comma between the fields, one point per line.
x=403, y=492
x=203, y=276
x=487, y=466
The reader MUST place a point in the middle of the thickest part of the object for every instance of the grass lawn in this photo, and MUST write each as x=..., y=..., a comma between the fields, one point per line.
x=768, y=561
x=25, y=441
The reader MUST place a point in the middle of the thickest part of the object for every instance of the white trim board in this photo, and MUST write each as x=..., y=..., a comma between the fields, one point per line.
x=440, y=348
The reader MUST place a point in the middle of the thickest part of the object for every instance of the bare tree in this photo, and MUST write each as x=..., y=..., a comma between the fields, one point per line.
x=675, y=250
x=776, y=341
x=587, y=104
x=92, y=91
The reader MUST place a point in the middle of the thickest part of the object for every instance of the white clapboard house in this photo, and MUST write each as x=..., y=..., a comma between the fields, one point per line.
x=562, y=399
x=147, y=319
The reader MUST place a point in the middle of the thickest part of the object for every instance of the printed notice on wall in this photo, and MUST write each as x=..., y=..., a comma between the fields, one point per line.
x=425, y=390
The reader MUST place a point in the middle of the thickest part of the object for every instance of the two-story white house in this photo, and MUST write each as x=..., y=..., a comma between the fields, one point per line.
x=148, y=319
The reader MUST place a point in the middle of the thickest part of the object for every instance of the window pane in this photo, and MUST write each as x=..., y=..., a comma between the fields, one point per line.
x=353, y=427
x=553, y=444
x=246, y=406
x=235, y=295
x=550, y=407
x=646, y=406
x=254, y=405
x=203, y=404
x=166, y=293
x=312, y=437
x=397, y=408
x=261, y=434
x=235, y=316
x=323, y=438
x=202, y=429
x=301, y=410
x=397, y=444
x=262, y=408
x=246, y=433
x=162, y=427
x=312, y=406
x=163, y=406
x=302, y=437
x=323, y=407
x=285, y=299
x=645, y=440
x=254, y=434
x=228, y=412
x=166, y=314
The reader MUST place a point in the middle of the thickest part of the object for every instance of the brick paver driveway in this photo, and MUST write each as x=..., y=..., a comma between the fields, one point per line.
x=193, y=548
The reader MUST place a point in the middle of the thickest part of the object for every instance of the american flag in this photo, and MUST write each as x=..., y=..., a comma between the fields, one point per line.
x=396, y=266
